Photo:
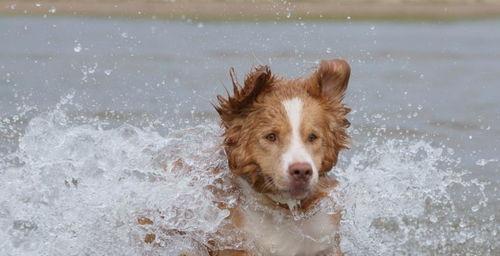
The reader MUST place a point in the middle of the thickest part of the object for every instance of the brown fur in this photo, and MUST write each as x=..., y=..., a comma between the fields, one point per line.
x=256, y=108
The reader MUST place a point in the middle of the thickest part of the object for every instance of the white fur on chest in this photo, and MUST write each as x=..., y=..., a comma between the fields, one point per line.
x=275, y=235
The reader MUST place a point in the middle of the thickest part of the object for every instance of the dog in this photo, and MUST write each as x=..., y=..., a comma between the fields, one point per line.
x=281, y=138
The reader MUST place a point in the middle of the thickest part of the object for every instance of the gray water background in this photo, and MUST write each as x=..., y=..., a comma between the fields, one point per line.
x=437, y=80
x=427, y=81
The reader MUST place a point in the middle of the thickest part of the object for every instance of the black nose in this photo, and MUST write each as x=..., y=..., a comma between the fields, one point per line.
x=300, y=171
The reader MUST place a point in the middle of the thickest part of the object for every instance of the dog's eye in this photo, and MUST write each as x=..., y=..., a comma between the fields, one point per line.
x=312, y=137
x=271, y=137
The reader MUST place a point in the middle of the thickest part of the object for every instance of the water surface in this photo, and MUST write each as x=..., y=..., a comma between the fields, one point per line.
x=99, y=102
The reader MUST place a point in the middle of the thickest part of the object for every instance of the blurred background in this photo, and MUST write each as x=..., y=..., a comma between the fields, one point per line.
x=423, y=71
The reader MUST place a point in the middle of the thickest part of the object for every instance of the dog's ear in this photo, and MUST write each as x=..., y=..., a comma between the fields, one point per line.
x=330, y=79
x=234, y=105
x=329, y=84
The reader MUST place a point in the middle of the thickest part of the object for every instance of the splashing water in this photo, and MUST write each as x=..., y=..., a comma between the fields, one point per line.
x=80, y=189
x=402, y=196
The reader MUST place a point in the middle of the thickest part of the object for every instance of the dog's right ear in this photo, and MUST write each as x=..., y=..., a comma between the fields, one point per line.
x=235, y=105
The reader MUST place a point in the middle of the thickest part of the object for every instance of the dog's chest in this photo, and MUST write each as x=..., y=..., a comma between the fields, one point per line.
x=277, y=235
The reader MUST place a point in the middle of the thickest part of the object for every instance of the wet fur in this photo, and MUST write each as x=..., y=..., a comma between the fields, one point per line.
x=256, y=108
x=242, y=117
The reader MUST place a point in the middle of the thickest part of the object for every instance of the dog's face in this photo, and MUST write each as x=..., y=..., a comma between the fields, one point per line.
x=283, y=136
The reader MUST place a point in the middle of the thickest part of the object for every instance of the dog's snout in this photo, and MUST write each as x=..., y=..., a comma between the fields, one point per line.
x=300, y=171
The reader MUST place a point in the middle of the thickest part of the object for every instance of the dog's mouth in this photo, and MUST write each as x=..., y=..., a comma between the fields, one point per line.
x=299, y=194
x=281, y=191
x=296, y=190
x=299, y=189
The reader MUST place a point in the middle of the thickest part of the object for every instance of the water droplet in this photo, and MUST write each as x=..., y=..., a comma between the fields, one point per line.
x=78, y=47
x=475, y=208
x=433, y=219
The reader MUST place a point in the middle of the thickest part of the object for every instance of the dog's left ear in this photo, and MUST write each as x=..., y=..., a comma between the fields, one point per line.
x=330, y=79
x=234, y=105
x=329, y=83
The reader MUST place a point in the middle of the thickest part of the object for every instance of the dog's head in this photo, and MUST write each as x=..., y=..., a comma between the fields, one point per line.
x=282, y=136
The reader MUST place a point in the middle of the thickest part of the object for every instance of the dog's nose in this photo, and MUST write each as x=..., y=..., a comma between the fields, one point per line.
x=300, y=171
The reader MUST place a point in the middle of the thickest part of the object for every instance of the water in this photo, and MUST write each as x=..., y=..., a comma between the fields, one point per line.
x=105, y=121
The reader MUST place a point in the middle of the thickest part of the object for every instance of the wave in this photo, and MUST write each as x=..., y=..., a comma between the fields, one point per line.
x=79, y=189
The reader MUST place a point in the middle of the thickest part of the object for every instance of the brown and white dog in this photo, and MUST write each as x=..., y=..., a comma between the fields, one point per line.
x=282, y=137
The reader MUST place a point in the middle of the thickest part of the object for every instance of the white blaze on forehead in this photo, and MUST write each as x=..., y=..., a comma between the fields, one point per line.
x=296, y=151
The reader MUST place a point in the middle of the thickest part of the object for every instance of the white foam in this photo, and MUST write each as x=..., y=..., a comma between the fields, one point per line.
x=79, y=189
